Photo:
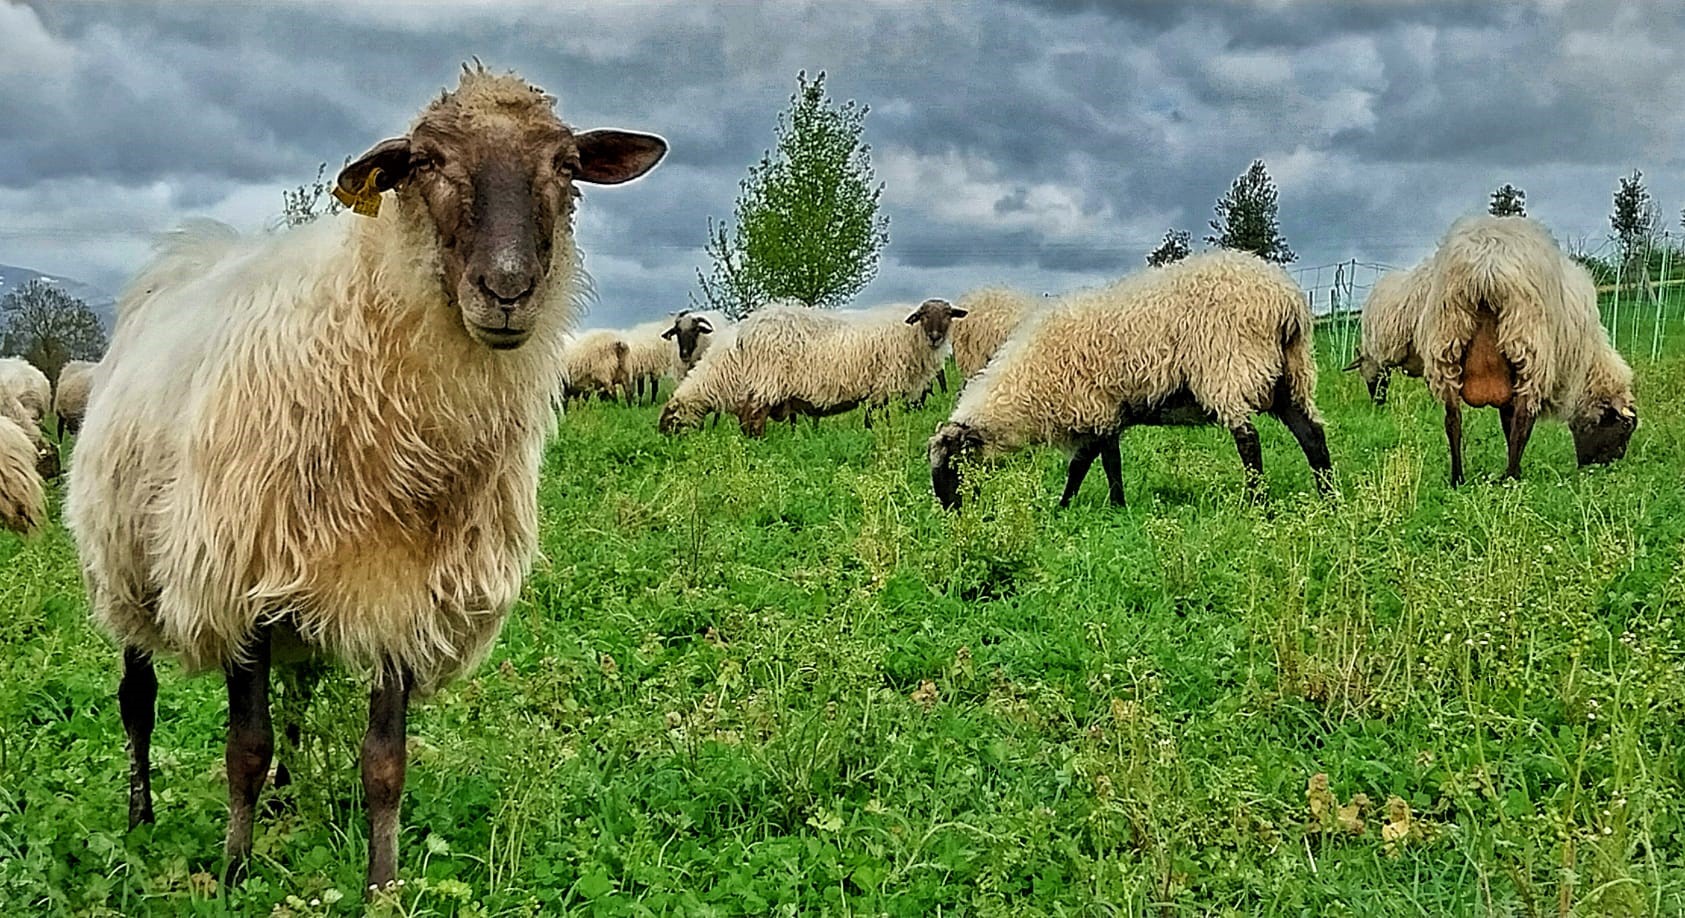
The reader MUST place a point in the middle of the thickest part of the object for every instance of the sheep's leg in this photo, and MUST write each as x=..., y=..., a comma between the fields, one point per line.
x=251, y=744
x=137, y=698
x=1454, y=439
x=1251, y=456
x=1112, y=461
x=1311, y=439
x=384, y=757
x=1080, y=461
x=300, y=686
x=1518, y=427
x=942, y=379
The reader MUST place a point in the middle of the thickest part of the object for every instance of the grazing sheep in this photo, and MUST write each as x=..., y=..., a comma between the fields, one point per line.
x=594, y=363
x=1389, y=329
x=70, y=396
x=1512, y=322
x=1216, y=337
x=326, y=442
x=796, y=360
x=20, y=379
x=694, y=332
x=46, y=462
x=716, y=385
x=992, y=314
x=23, y=502
x=649, y=358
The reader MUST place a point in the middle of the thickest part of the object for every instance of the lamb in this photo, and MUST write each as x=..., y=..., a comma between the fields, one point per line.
x=70, y=396
x=694, y=333
x=1217, y=337
x=326, y=443
x=20, y=379
x=796, y=360
x=23, y=503
x=649, y=358
x=1389, y=329
x=596, y=363
x=993, y=312
x=1512, y=322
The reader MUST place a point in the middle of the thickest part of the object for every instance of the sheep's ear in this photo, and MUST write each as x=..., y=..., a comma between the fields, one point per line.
x=916, y=317
x=392, y=159
x=669, y=333
x=703, y=327
x=1356, y=362
x=612, y=157
x=958, y=313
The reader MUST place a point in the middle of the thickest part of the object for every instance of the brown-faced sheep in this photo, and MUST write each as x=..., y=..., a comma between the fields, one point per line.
x=1512, y=322
x=1389, y=329
x=326, y=442
x=796, y=360
x=70, y=396
x=1215, y=337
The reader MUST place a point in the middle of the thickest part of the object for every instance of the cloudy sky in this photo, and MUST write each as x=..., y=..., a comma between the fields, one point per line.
x=1045, y=144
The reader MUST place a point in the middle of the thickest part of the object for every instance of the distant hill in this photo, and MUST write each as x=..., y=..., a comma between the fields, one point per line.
x=103, y=304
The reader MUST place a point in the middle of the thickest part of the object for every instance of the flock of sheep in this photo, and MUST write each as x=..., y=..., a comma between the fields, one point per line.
x=326, y=442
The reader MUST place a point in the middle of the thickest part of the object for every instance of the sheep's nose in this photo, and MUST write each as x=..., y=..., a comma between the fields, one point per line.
x=507, y=287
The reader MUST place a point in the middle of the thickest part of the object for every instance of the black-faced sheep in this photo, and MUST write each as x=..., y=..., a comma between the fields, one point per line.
x=1389, y=329
x=1216, y=337
x=327, y=442
x=694, y=332
x=789, y=361
x=1512, y=322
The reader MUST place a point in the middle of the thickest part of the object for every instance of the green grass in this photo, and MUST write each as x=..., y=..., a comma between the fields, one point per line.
x=773, y=678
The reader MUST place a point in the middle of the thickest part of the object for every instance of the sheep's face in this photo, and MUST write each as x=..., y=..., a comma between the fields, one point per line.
x=1374, y=377
x=934, y=317
x=688, y=330
x=676, y=417
x=494, y=169
x=1602, y=437
x=951, y=447
x=47, y=462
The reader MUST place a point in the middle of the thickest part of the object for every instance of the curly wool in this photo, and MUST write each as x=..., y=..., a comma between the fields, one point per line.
x=1222, y=325
x=832, y=359
x=295, y=430
x=595, y=361
x=991, y=315
x=1545, y=306
x=70, y=397
x=1389, y=319
x=23, y=502
x=717, y=383
x=29, y=386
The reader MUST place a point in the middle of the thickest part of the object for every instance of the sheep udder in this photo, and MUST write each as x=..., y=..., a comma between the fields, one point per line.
x=1488, y=377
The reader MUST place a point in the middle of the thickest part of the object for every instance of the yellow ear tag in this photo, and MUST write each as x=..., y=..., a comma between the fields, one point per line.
x=365, y=200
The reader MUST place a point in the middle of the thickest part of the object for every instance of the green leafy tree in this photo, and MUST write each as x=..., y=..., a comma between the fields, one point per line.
x=1634, y=222
x=807, y=225
x=48, y=327
x=308, y=201
x=1175, y=247
x=1508, y=201
x=1246, y=217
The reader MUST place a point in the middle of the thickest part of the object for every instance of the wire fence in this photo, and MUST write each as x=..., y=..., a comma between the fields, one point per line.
x=1641, y=298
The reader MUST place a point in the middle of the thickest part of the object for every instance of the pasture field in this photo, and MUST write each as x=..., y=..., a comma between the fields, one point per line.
x=773, y=678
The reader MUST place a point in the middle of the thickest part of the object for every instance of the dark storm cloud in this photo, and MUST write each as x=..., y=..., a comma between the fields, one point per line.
x=1048, y=144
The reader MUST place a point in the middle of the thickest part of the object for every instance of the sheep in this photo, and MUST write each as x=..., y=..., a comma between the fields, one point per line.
x=45, y=453
x=993, y=312
x=649, y=358
x=325, y=443
x=23, y=503
x=1512, y=322
x=796, y=360
x=694, y=332
x=28, y=385
x=1217, y=337
x=595, y=362
x=1389, y=329
x=70, y=396
x=716, y=385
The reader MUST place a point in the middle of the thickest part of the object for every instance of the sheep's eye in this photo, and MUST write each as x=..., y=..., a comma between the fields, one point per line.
x=565, y=166
x=424, y=162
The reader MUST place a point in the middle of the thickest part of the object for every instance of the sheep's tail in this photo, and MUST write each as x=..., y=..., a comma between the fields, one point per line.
x=1298, y=353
